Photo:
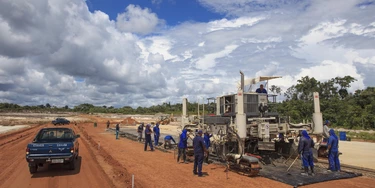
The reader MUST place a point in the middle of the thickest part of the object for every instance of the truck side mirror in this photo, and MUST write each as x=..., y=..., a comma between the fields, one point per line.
x=77, y=135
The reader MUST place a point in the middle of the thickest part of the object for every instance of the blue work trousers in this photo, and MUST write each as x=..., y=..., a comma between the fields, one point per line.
x=148, y=141
x=156, y=139
x=198, y=162
x=117, y=134
x=334, y=162
x=307, y=159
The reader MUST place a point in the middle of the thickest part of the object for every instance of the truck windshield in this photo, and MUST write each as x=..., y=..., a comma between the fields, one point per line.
x=54, y=135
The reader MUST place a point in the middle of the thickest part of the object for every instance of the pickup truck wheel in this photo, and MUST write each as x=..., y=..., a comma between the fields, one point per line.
x=72, y=165
x=33, y=169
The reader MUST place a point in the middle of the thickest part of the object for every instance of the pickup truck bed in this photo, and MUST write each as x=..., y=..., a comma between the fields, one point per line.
x=53, y=146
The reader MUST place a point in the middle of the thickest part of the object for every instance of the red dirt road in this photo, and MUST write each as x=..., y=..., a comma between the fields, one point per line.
x=107, y=162
x=15, y=173
x=159, y=169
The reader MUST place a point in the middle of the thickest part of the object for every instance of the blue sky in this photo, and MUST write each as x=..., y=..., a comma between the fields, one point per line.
x=173, y=11
x=143, y=53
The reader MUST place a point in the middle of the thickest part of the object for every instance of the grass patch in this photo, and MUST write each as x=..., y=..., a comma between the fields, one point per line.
x=361, y=135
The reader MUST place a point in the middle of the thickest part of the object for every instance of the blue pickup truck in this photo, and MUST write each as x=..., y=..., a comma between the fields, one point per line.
x=53, y=146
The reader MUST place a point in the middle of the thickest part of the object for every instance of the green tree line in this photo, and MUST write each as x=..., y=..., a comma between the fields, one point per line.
x=344, y=109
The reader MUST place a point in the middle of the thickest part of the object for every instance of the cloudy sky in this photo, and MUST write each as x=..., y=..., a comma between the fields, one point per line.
x=145, y=52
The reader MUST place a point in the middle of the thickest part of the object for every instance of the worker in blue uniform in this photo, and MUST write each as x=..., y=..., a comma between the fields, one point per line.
x=261, y=89
x=148, y=133
x=117, y=130
x=199, y=152
x=333, y=151
x=156, y=134
x=140, y=131
x=207, y=142
x=167, y=141
x=304, y=147
x=182, y=145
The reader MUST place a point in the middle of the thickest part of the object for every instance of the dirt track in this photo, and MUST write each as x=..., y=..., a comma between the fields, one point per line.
x=107, y=162
x=15, y=172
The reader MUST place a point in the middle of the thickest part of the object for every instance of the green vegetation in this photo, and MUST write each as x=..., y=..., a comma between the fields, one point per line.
x=348, y=110
x=361, y=135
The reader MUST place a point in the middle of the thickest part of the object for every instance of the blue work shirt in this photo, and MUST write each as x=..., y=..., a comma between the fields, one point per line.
x=157, y=130
x=261, y=91
x=147, y=136
x=305, y=145
x=169, y=137
x=183, y=140
x=334, y=143
x=207, y=140
x=117, y=127
x=198, y=144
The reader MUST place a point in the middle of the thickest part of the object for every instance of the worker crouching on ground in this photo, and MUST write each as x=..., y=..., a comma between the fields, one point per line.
x=117, y=130
x=140, y=132
x=199, y=152
x=167, y=141
x=156, y=134
x=333, y=151
x=182, y=145
x=148, y=133
x=304, y=147
x=207, y=141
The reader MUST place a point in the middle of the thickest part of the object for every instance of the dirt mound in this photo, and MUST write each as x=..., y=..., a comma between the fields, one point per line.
x=129, y=121
x=120, y=174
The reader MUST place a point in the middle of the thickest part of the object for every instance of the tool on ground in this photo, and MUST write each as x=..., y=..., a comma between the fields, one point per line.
x=293, y=163
x=290, y=156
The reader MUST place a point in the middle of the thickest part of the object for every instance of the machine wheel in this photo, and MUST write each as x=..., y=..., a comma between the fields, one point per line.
x=322, y=152
x=33, y=169
x=254, y=169
x=72, y=165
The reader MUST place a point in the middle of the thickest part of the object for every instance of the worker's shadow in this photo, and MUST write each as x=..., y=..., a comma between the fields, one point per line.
x=57, y=170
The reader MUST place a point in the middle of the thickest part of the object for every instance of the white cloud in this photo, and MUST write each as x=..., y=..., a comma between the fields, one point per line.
x=156, y=1
x=209, y=60
x=137, y=20
x=45, y=49
x=235, y=23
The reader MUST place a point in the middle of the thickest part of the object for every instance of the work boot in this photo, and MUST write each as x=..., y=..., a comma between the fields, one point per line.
x=312, y=171
x=306, y=173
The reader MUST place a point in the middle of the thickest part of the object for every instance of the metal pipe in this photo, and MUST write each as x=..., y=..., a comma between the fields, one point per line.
x=203, y=113
x=242, y=80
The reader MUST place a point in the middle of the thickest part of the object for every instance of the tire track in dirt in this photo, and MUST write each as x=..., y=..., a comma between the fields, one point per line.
x=15, y=173
x=92, y=153
x=121, y=176
x=20, y=134
x=13, y=154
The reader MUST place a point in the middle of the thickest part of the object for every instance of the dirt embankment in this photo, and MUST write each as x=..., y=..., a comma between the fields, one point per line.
x=118, y=174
